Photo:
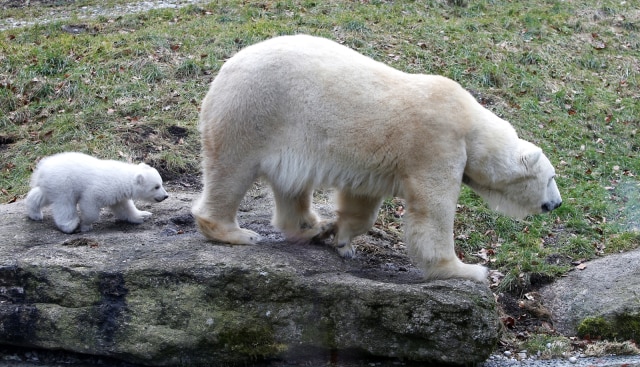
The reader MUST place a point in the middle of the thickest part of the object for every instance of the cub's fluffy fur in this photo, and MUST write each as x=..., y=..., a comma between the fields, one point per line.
x=68, y=181
x=304, y=112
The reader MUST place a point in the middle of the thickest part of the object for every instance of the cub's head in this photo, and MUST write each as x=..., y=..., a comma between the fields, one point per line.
x=149, y=184
x=522, y=183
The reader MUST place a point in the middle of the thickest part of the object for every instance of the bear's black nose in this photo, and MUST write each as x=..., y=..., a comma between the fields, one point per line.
x=547, y=207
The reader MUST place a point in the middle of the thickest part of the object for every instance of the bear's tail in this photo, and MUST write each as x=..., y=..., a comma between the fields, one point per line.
x=35, y=201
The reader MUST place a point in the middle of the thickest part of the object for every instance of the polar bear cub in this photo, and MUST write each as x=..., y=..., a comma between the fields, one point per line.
x=71, y=181
x=304, y=112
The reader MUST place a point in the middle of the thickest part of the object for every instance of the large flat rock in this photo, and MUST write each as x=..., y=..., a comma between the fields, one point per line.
x=160, y=294
x=601, y=301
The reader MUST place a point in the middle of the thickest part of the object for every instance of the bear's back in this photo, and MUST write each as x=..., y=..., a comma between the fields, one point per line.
x=76, y=171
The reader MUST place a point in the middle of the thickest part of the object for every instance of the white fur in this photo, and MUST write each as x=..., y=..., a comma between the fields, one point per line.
x=305, y=112
x=72, y=181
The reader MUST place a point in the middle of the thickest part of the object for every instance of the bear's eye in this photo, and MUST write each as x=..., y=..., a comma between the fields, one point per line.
x=157, y=187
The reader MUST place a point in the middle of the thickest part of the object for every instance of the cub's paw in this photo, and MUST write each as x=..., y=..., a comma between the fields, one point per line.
x=36, y=216
x=138, y=217
x=85, y=227
x=72, y=227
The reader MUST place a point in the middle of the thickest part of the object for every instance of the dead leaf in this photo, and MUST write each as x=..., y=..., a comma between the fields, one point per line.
x=496, y=277
x=46, y=135
x=581, y=266
x=508, y=321
x=399, y=212
x=482, y=254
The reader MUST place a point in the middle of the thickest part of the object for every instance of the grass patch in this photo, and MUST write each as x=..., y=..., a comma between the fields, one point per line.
x=565, y=74
x=546, y=346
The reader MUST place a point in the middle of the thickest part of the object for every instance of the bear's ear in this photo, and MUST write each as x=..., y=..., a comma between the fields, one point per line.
x=139, y=178
x=530, y=154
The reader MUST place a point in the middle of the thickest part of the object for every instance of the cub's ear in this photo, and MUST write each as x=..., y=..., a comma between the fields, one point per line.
x=530, y=154
x=139, y=178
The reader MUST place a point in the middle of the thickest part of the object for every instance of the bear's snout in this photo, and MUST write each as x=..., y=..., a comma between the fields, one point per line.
x=159, y=199
x=547, y=207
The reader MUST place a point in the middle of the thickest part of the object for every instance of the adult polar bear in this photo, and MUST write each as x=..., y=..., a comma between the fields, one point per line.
x=303, y=112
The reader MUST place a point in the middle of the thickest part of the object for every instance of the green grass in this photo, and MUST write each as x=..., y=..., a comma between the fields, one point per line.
x=565, y=74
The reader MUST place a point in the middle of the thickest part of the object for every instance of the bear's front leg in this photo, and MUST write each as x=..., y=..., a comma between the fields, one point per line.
x=127, y=211
x=430, y=244
x=431, y=208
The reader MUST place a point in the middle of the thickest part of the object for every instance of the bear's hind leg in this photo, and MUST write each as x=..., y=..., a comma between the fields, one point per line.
x=35, y=201
x=295, y=218
x=356, y=215
x=65, y=215
x=215, y=210
x=89, y=213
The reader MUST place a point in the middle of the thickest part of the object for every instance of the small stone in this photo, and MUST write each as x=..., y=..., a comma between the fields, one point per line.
x=573, y=359
x=507, y=353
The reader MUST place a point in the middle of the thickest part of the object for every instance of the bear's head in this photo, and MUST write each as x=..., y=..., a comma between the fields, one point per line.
x=521, y=183
x=149, y=184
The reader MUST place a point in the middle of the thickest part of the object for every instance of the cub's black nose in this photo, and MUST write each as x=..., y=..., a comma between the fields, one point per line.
x=547, y=207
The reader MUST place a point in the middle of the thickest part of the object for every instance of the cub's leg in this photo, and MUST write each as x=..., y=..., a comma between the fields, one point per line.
x=356, y=215
x=65, y=215
x=215, y=210
x=89, y=213
x=126, y=210
x=429, y=228
x=295, y=218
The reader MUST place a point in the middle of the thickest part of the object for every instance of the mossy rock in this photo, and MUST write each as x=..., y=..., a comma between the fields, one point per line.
x=620, y=327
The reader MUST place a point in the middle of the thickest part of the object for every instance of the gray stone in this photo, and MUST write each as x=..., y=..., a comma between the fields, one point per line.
x=160, y=294
x=600, y=301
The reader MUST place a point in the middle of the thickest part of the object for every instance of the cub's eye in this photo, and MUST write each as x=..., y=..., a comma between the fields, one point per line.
x=157, y=187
